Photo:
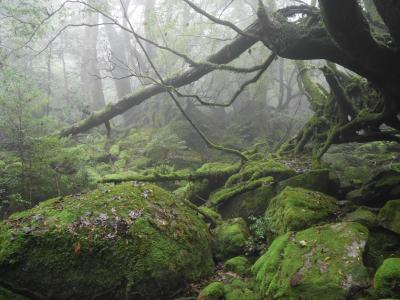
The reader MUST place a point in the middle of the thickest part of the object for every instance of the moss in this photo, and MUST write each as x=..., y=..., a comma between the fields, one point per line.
x=210, y=213
x=251, y=203
x=228, y=193
x=115, y=150
x=387, y=278
x=239, y=289
x=131, y=239
x=316, y=180
x=363, y=215
x=382, y=244
x=389, y=216
x=381, y=188
x=323, y=262
x=297, y=209
x=213, y=291
x=239, y=265
x=198, y=191
x=230, y=238
x=253, y=170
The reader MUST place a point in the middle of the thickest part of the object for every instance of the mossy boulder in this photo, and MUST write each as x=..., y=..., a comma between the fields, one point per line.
x=8, y=295
x=382, y=244
x=323, y=262
x=129, y=240
x=213, y=291
x=239, y=290
x=387, y=278
x=230, y=238
x=363, y=215
x=381, y=188
x=251, y=203
x=389, y=216
x=239, y=265
x=316, y=180
x=296, y=208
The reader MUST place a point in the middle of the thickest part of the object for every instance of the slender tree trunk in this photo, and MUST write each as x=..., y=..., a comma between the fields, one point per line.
x=91, y=83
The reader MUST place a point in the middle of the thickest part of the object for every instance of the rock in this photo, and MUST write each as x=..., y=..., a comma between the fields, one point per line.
x=8, y=295
x=389, y=216
x=236, y=290
x=240, y=290
x=364, y=216
x=316, y=180
x=239, y=265
x=387, y=278
x=252, y=203
x=382, y=244
x=130, y=240
x=383, y=187
x=230, y=238
x=213, y=291
x=296, y=209
x=323, y=262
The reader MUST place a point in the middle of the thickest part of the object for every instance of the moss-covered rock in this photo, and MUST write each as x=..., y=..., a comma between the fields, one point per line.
x=240, y=290
x=387, y=278
x=237, y=289
x=251, y=203
x=296, y=209
x=382, y=244
x=363, y=215
x=323, y=262
x=213, y=291
x=230, y=238
x=239, y=265
x=389, y=216
x=133, y=241
x=8, y=295
x=381, y=188
x=227, y=194
x=316, y=180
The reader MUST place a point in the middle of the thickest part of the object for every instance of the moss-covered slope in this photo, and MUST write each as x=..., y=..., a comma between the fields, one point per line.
x=133, y=241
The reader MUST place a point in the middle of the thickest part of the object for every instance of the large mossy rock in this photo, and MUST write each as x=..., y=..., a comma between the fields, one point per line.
x=231, y=237
x=296, y=208
x=389, y=216
x=363, y=215
x=323, y=262
x=387, y=279
x=126, y=241
x=316, y=180
x=381, y=188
